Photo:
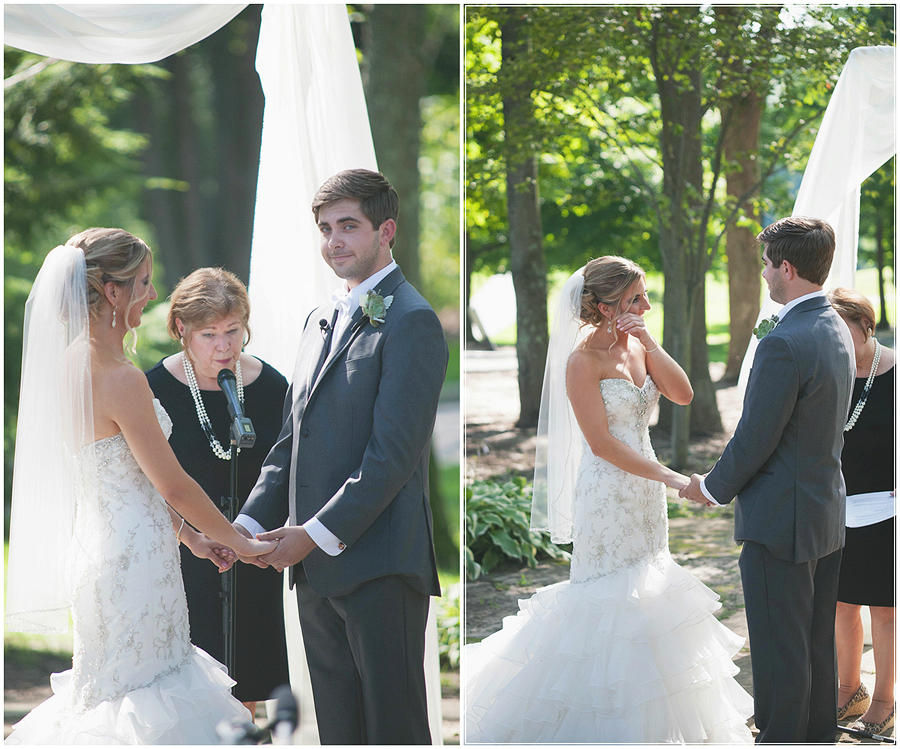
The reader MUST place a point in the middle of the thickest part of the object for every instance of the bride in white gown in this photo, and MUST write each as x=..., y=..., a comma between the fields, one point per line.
x=627, y=650
x=99, y=507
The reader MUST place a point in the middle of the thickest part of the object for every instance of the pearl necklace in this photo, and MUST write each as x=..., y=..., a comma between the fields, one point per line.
x=865, y=393
x=217, y=448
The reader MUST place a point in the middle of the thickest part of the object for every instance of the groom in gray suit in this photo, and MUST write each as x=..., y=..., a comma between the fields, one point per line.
x=344, y=491
x=784, y=466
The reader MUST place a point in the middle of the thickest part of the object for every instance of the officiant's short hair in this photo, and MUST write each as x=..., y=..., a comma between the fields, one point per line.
x=805, y=242
x=377, y=198
x=855, y=308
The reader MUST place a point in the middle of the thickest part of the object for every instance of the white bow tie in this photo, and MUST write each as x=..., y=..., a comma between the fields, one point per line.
x=341, y=301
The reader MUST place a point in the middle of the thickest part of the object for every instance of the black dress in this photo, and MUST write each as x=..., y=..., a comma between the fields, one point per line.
x=867, y=462
x=260, y=649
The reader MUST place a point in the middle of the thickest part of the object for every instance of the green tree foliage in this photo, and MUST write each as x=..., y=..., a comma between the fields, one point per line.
x=650, y=90
x=877, y=220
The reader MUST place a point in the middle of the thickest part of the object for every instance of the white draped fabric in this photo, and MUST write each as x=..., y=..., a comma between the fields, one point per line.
x=115, y=33
x=315, y=124
x=855, y=138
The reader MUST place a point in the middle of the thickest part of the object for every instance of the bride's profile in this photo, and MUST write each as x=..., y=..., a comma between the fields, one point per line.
x=627, y=650
x=99, y=506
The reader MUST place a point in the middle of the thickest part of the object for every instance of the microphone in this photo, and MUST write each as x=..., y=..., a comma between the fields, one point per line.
x=242, y=431
x=287, y=715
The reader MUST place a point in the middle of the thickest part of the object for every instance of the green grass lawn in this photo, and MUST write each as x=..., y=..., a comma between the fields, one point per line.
x=717, y=336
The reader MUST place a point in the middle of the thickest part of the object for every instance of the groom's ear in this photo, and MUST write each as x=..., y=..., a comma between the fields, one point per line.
x=386, y=232
x=788, y=270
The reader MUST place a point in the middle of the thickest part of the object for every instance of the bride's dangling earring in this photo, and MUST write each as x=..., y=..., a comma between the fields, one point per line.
x=609, y=326
x=114, y=315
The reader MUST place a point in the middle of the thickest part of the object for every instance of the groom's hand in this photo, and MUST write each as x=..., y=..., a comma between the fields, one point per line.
x=293, y=544
x=248, y=560
x=694, y=493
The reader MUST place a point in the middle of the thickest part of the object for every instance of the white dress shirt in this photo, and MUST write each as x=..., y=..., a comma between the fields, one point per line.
x=346, y=301
x=781, y=315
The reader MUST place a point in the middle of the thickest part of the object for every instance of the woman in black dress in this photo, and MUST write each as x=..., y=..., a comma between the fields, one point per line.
x=209, y=314
x=867, y=564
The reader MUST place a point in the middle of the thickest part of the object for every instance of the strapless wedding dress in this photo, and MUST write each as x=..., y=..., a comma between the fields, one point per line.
x=627, y=650
x=135, y=678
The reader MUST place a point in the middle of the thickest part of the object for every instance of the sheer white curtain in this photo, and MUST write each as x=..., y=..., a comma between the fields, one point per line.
x=855, y=138
x=115, y=33
x=315, y=124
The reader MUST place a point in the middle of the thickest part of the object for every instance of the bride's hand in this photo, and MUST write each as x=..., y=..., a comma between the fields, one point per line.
x=634, y=325
x=204, y=547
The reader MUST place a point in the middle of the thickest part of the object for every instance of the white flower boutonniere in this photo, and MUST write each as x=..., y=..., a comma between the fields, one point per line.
x=375, y=307
x=765, y=327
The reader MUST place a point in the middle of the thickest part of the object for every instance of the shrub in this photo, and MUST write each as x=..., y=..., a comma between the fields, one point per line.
x=497, y=529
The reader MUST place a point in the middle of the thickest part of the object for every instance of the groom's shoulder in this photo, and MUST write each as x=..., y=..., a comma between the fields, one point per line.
x=408, y=299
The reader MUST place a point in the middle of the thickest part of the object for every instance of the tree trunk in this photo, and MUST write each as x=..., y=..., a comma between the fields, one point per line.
x=188, y=150
x=238, y=133
x=467, y=290
x=395, y=82
x=672, y=50
x=525, y=235
x=705, y=417
x=741, y=146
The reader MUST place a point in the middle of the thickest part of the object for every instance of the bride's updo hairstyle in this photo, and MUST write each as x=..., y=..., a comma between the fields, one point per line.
x=110, y=255
x=606, y=281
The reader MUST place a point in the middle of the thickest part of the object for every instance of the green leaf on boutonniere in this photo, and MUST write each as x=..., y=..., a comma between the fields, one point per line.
x=765, y=327
x=375, y=307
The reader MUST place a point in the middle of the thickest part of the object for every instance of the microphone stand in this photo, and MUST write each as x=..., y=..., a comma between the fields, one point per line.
x=227, y=594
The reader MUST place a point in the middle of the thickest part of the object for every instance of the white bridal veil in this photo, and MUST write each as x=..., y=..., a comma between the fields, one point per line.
x=53, y=445
x=558, y=445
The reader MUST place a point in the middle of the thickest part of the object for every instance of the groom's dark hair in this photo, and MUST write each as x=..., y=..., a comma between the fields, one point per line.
x=806, y=243
x=377, y=198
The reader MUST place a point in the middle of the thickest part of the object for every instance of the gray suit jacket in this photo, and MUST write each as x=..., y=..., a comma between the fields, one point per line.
x=354, y=448
x=784, y=461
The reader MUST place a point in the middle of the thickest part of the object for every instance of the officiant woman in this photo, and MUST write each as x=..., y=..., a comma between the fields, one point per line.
x=209, y=315
x=867, y=563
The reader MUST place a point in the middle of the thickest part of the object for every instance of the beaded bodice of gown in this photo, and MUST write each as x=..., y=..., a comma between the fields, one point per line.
x=130, y=615
x=619, y=519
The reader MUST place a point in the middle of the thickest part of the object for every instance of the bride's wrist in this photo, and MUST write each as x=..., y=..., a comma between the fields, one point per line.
x=187, y=536
x=650, y=345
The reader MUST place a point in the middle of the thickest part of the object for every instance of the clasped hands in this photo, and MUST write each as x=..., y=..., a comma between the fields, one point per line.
x=292, y=544
x=693, y=491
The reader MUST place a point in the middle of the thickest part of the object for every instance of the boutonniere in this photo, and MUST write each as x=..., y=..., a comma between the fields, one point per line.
x=375, y=307
x=765, y=327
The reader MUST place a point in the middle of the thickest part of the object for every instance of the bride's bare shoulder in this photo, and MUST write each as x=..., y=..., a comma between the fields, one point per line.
x=584, y=364
x=120, y=382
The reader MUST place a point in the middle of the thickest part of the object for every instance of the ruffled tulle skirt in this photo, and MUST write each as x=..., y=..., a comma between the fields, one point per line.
x=181, y=708
x=635, y=656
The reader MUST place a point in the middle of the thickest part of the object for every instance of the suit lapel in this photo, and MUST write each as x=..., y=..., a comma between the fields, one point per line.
x=357, y=324
x=309, y=367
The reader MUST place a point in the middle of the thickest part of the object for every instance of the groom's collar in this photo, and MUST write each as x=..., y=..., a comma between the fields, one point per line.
x=794, y=302
x=350, y=298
